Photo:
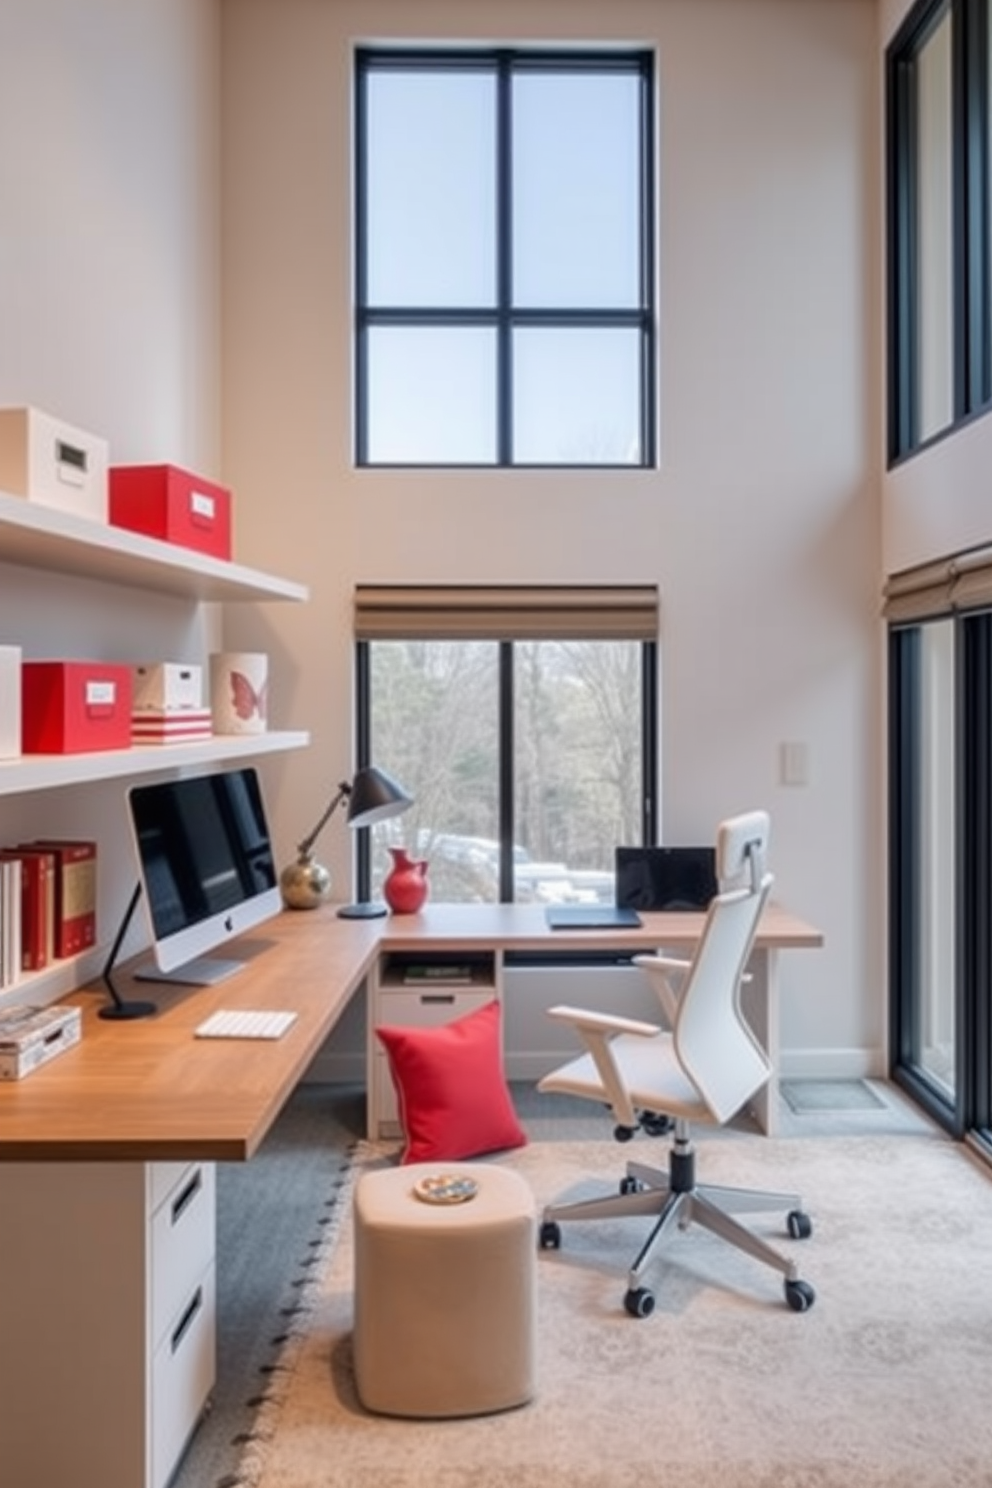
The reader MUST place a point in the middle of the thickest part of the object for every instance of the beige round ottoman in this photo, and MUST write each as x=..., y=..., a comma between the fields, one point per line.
x=445, y=1319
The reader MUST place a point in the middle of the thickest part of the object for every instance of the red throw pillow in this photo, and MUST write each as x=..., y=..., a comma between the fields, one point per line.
x=454, y=1101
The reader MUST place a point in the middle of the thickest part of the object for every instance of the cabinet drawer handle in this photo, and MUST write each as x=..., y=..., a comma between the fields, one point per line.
x=186, y=1321
x=187, y=1196
x=437, y=997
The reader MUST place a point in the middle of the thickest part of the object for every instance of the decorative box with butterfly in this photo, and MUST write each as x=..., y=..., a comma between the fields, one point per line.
x=239, y=687
x=173, y=504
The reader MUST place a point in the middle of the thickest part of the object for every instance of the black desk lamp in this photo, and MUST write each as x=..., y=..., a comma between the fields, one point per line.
x=372, y=796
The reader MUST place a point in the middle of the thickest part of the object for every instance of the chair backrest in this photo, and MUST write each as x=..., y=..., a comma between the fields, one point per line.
x=713, y=1041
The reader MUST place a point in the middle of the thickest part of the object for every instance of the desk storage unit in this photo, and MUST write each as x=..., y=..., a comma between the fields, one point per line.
x=437, y=996
x=118, y=1257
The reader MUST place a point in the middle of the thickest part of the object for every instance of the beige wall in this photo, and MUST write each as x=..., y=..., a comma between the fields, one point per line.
x=761, y=525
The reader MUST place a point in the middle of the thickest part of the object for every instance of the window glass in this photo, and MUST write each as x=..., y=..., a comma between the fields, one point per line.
x=431, y=395
x=433, y=719
x=575, y=397
x=577, y=768
x=576, y=175
x=431, y=205
x=571, y=743
x=935, y=233
x=934, y=1030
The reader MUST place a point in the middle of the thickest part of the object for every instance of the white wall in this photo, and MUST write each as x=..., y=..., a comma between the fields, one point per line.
x=109, y=314
x=761, y=526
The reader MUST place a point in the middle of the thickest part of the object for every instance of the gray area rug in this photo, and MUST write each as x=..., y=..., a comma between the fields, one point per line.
x=276, y=1220
x=884, y=1382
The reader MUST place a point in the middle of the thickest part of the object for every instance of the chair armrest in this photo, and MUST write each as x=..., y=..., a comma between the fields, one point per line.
x=602, y=1022
x=663, y=963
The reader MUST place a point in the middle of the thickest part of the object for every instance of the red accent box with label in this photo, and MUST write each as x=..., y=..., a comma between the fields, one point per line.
x=71, y=707
x=175, y=505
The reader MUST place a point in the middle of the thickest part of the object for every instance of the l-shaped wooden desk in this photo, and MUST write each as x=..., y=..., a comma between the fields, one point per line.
x=106, y=1170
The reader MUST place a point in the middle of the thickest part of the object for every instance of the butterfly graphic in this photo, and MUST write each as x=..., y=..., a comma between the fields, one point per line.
x=246, y=701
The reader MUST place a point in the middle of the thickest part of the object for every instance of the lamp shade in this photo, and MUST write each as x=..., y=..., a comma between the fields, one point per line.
x=374, y=797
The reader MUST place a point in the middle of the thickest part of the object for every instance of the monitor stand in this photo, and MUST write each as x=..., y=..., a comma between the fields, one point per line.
x=202, y=971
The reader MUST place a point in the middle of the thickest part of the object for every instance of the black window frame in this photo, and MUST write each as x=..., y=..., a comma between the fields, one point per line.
x=649, y=757
x=504, y=316
x=971, y=248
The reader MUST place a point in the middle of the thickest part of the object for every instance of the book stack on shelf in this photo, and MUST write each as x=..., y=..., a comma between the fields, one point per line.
x=47, y=904
x=448, y=974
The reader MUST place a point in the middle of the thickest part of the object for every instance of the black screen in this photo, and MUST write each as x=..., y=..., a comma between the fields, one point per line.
x=204, y=847
x=666, y=877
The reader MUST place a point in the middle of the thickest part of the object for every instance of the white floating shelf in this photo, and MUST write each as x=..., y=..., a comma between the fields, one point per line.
x=37, y=536
x=31, y=772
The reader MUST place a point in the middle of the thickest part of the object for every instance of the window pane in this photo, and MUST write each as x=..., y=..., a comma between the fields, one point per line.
x=431, y=396
x=576, y=397
x=935, y=234
x=434, y=726
x=577, y=767
x=934, y=1032
x=431, y=189
x=576, y=204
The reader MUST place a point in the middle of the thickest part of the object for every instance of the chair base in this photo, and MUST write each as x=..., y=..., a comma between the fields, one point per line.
x=677, y=1201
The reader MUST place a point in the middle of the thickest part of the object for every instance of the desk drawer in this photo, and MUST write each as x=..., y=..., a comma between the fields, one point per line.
x=182, y=1243
x=182, y=1376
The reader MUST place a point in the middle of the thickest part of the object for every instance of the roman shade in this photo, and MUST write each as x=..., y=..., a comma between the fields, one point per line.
x=960, y=582
x=450, y=612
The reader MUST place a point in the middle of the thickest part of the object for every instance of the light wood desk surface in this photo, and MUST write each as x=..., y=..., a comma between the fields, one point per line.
x=149, y=1090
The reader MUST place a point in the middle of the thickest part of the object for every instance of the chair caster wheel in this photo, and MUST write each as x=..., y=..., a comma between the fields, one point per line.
x=639, y=1302
x=630, y=1185
x=623, y=1133
x=799, y=1295
x=655, y=1125
x=549, y=1236
x=800, y=1225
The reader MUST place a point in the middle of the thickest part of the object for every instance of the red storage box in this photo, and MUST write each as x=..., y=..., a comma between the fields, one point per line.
x=70, y=707
x=164, y=501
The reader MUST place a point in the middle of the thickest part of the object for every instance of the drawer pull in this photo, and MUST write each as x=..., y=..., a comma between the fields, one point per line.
x=187, y=1196
x=186, y=1321
x=445, y=998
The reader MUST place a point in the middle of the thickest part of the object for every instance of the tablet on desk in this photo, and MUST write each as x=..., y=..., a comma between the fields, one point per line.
x=591, y=917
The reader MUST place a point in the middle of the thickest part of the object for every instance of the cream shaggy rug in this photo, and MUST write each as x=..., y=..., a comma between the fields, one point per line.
x=885, y=1382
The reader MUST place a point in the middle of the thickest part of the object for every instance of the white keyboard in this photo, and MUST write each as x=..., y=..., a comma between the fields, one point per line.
x=231, y=1023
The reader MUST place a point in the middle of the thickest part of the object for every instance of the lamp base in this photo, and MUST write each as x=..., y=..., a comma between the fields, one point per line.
x=305, y=884
x=366, y=910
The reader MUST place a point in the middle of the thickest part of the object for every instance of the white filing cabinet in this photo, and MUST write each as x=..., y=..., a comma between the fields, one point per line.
x=107, y=1320
x=463, y=984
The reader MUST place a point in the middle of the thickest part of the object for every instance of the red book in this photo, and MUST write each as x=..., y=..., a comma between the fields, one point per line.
x=75, y=894
x=37, y=906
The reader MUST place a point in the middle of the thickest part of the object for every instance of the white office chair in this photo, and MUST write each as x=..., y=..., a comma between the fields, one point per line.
x=705, y=1069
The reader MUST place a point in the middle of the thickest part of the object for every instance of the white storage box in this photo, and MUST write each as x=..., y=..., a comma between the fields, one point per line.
x=167, y=687
x=10, y=701
x=30, y=1036
x=53, y=463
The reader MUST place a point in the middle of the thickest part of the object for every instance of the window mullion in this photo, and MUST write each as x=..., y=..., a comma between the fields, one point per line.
x=504, y=260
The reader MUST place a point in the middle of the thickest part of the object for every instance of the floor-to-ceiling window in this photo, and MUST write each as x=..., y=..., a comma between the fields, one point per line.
x=940, y=860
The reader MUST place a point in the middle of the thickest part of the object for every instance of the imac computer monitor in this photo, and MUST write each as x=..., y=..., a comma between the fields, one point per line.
x=206, y=870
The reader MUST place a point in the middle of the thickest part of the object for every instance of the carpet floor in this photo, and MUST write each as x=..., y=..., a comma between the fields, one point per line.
x=883, y=1382
x=277, y=1217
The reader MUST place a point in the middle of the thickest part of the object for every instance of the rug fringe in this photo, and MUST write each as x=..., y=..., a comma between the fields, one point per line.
x=252, y=1462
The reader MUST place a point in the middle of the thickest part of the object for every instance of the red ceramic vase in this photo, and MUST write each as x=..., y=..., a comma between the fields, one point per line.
x=405, y=885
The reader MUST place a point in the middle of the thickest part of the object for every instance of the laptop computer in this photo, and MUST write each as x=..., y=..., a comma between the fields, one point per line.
x=591, y=917
x=669, y=878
